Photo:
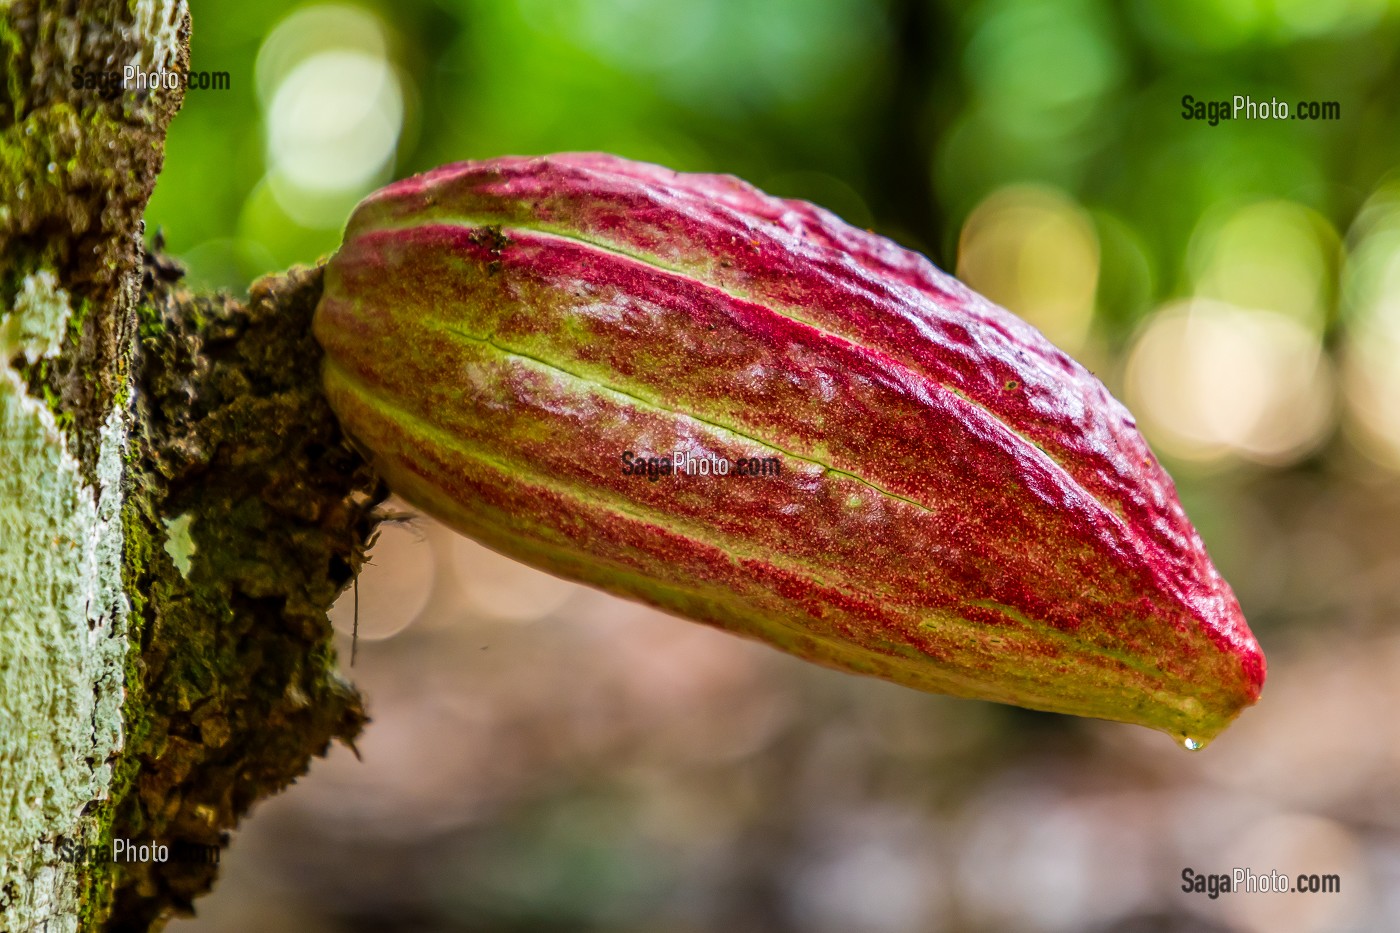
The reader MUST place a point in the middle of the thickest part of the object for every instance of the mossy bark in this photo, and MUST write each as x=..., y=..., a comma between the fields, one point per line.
x=178, y=508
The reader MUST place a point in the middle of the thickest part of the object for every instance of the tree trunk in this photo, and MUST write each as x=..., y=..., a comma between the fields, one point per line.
x=178, y=508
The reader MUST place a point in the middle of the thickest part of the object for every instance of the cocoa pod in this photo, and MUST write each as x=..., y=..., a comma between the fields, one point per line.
x=921, y=487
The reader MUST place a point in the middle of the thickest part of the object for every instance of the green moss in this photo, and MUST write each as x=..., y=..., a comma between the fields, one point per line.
x=149, y=323
x=11, y=47
x=76, y=175
x=187, y=696
x=227, y=702
x=78, y=319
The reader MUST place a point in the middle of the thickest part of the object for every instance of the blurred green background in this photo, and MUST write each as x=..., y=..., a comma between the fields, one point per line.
x=546, y=758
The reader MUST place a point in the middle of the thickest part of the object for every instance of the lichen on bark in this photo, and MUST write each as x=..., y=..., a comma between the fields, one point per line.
x=175, y=520
x=62, y=644
x=75, y=172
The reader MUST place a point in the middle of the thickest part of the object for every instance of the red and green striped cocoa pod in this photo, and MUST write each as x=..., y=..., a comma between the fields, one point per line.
x=958, y=506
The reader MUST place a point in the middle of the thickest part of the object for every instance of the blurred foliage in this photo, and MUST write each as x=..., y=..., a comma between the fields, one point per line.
x=1236, y=284
x=900, y=115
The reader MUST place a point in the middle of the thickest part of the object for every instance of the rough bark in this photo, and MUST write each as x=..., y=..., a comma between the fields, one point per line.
x=177, y=505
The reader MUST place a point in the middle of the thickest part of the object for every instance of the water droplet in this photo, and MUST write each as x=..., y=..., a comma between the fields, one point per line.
x=1191, y=744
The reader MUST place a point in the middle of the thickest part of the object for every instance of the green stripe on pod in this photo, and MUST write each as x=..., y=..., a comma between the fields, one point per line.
x=744, y=411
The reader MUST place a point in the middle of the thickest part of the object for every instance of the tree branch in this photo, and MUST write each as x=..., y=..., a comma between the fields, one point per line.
x=178, y=508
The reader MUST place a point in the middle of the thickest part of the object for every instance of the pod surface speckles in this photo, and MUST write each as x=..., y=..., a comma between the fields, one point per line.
x=945, y=499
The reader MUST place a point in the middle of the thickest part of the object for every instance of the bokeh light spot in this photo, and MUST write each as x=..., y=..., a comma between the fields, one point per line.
x=332, y=127
x=1275, y=255
x=1371, y=299
x=334, y=111
x=496, y=587
x=394, y=586
x=1211, y=381
x=1035, y=251
x=304, y=32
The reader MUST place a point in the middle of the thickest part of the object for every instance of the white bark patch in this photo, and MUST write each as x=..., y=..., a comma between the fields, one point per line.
x=34, y=329
x=159, y=22
x=63, y=615
x=179, y=544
